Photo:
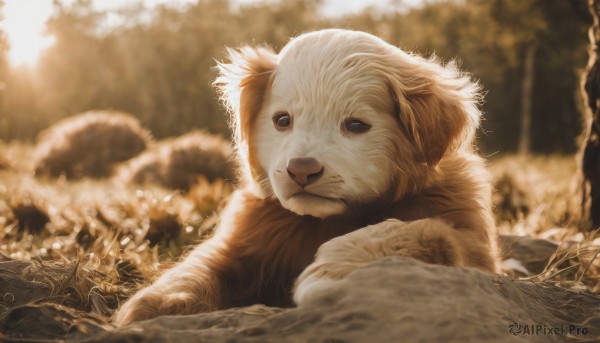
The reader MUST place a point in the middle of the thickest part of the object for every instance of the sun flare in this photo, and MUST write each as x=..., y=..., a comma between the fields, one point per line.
x=24, y=24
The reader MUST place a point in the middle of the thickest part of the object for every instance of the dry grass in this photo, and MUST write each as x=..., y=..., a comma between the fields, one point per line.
x=88, y=244
x=534, y=197
x=177, y=163
x=94, y=242
x=533, y=193
x=89, y=144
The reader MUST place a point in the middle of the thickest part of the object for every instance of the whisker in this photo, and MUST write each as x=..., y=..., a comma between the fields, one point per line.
x=264, y=183
x=335, y=179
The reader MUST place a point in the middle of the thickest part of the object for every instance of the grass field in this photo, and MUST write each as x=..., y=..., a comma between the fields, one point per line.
x=94, y=242
x=535, y=196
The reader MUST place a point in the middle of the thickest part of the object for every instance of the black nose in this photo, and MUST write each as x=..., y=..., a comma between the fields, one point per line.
x=304, y=170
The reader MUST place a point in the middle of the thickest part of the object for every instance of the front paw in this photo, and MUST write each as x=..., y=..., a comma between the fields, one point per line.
x=340, y=256
x=428, y=240
x=155, y=301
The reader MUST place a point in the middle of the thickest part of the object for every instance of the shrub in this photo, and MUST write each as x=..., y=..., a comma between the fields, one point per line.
x=4, y=163
x=89, y=144
x=30, y=214
x=178, y=163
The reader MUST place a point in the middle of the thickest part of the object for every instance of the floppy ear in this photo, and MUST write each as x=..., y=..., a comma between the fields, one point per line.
x=436, y=104
x=243, y=84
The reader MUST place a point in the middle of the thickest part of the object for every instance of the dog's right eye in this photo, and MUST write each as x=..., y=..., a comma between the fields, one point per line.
x=282, y=120
x=352, y=125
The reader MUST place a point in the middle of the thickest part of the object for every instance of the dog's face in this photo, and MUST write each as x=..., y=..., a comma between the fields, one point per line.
x=325, y=134
x=340, y=119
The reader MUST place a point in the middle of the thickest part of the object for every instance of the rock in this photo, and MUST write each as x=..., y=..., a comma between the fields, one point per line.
x=394, y=299
x=532, y=254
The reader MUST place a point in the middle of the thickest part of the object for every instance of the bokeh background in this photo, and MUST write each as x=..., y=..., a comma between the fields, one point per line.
x=93, y=206
x=155, y=59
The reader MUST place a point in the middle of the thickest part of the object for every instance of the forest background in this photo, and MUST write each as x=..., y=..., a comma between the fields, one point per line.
x=159, y=64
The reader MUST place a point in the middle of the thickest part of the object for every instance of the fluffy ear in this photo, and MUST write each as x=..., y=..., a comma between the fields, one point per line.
x=243, y=84
x=436, y=104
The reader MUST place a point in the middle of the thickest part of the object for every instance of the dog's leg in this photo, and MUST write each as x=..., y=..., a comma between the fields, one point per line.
x=429, y=240
x=189, y=287
x=195, y=284
x=256, y=253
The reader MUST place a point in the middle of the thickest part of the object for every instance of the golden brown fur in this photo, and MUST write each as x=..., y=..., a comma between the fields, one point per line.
x=432, y=204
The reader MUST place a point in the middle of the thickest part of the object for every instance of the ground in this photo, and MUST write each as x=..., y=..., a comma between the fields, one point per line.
x=74, y=250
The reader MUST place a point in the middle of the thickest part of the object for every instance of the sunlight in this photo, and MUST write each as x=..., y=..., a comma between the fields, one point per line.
x=24, y=22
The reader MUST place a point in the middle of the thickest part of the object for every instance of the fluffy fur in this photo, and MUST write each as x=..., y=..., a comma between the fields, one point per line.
x=410, y=184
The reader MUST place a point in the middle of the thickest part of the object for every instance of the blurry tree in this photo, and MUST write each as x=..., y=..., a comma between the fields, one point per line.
x=73, y=73
x=159, y=64
x=527, y=98
x=590, y=164
x=160, y=69
x=519, y=25
x=21, y=117
x=3, y=74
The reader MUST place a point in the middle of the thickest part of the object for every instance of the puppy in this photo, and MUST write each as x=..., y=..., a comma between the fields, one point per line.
x=339, y=135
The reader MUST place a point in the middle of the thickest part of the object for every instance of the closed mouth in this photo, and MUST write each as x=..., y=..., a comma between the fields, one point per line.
x=308, y=195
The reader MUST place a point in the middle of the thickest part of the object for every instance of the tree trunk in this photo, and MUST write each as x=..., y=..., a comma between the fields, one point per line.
x=527, y=98
x=590, y=161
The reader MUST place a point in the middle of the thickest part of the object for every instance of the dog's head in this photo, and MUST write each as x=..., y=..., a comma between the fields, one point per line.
x=340, y=119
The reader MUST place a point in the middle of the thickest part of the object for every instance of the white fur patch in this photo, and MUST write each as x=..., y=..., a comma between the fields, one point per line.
x=317, y=85
x=312, y=287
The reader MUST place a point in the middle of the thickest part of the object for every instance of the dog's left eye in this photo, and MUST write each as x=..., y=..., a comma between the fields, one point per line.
x=353, y=125
x=282, y=120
